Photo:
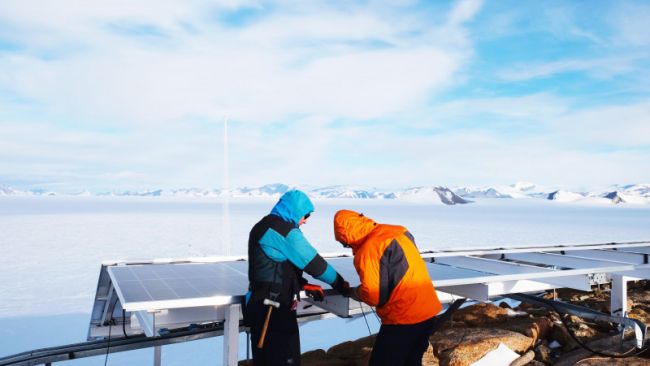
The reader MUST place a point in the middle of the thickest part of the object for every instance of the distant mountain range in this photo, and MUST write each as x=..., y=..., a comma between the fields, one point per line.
x=632, y=194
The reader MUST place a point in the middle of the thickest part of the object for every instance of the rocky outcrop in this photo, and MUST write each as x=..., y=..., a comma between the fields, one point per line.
x=604, y=361
x=524, y=359
x=533, y=327
x=611, y=344
x=464, y=346
x=350, y=353
x=537, y=334
x=481, y=314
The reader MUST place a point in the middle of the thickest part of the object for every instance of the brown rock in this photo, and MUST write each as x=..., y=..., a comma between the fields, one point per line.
x=544, y=354
x=640, y=314
x=560, y=334
x=481, y=314
x=605, y=361
x=639, y=296
x=570, y=294
x=352, y=352
x=584, y=332
x=463, y=346
x=536, y=328
x=524, y=359
x=343, y=350
x=609, y=344
x=575, y=320
x=368, y=341
x=313, y=357
x=328, y=362
x=429, y=359
x=452, y=324
x=364, y=357
x=535, y=363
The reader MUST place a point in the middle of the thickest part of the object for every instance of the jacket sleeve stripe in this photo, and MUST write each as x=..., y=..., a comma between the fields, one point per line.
x=330, y=276
x=411, y=238
x=272, y=245
x=298, y=250
x=392, y=267
x=316, y=266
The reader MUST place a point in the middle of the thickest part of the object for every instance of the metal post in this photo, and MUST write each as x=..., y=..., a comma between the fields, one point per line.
x=157, y=355
x=619, y=295
x=248, y=345
x=231, y=335
x=157, y=351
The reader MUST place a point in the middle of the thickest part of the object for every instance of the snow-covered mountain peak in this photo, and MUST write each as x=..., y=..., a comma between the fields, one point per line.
x=565, y=196
x=267, y=190
x=431, y=194
x=524, y=186
x=480, y=192
x=628, y=194
x=642, y=190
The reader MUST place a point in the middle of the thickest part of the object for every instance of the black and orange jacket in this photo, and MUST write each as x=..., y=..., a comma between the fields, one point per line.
x=393, y=275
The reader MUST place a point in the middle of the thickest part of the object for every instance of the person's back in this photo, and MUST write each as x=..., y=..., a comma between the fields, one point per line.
x=406, y=294
x=394, y=278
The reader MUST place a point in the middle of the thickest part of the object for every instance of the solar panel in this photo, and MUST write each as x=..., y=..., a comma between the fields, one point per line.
x=634, y=250
x=440, y=272
x=157, y=286
x=437, y=272
x=189, y=292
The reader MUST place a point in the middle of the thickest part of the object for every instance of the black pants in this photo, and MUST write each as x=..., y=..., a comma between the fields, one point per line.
x=403, y=344
x=282, y=341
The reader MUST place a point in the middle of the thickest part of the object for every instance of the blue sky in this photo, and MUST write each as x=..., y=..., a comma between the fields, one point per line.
x=132, y=95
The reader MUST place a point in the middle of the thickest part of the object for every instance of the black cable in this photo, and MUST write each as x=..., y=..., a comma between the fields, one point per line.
x=364, y=318
x=375, y=313
x=581, y=344
x=124, y=323
x=108, y=346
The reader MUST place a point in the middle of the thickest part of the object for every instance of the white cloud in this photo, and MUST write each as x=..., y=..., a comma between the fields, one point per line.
x=283, y=80
x=267, y=71
x=601, y=68
x=622, y=126
x=463, y=11
x=631, y=24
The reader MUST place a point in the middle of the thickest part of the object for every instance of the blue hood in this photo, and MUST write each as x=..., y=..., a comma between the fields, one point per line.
x=293, y=205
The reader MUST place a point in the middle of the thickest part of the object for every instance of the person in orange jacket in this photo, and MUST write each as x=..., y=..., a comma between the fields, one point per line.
x=393, y=278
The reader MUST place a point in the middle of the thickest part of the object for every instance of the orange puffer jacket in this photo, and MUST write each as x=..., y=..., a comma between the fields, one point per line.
x=393, y=275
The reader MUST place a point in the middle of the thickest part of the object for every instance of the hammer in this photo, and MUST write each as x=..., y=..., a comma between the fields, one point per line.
x=271, y=305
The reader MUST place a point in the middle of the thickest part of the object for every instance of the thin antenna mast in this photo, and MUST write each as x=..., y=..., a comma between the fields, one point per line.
x=226, y=193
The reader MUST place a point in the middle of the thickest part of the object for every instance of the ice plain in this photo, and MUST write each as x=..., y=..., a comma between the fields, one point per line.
x=52, y=248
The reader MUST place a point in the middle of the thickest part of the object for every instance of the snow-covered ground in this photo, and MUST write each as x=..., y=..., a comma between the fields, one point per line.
x=52, y=248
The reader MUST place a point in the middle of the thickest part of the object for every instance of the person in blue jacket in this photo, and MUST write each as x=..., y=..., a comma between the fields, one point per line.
x=278, y=253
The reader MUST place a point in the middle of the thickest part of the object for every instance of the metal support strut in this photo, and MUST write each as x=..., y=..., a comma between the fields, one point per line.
x=231, y=335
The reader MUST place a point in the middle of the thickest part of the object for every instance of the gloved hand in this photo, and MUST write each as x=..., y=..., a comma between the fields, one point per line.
x=345, y=289
x=353, y=294
x=314, y=291
x=340, y=285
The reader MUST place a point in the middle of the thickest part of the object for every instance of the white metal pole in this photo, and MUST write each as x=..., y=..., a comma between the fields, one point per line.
x=157, y=350
x=231, y=335
x=226, y=192
x=157, y=355
x=619, y=295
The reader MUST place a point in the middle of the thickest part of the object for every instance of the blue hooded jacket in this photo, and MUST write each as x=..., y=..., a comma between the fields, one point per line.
x=282, y=240
x=293, y=205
